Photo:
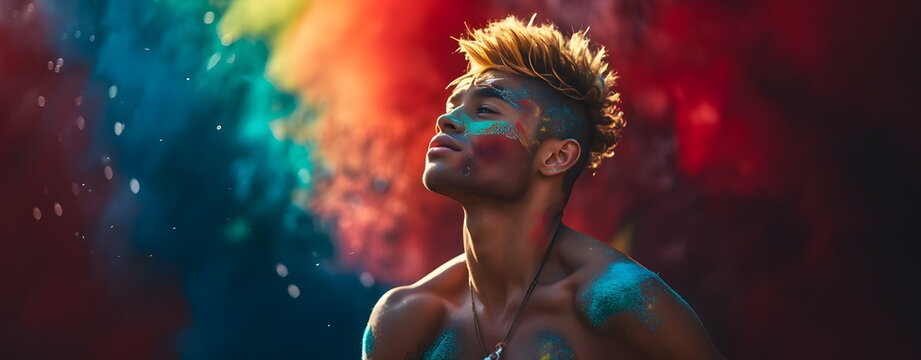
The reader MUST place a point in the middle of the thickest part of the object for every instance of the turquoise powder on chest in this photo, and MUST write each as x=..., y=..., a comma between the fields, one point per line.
x=367, y=342
x=444, y=347
x=552, y=347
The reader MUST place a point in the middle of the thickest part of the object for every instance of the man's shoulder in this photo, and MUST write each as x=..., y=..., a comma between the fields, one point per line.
x=616, y=295
x=620, y=289
x=427, y=295
x=610, y=285
x=407, y=316
x=444, y=280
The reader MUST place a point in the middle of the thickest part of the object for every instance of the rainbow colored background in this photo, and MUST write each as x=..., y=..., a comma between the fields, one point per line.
x=241, y=178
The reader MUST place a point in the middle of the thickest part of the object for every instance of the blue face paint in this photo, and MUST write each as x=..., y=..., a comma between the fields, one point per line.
x=367, y=342
x=552, y=347
x=618, y=290
x=444, y=347
x=483, y=127
x=489, y=127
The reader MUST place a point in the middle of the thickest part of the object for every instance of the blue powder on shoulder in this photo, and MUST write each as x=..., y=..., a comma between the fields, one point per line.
x=367, y=342
x=618, y=290
x=444, y=347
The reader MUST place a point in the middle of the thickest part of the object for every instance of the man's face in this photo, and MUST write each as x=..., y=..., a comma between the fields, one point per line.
x=484, y=143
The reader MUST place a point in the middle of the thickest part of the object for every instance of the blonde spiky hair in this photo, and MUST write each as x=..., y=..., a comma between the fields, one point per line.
x=566, y=64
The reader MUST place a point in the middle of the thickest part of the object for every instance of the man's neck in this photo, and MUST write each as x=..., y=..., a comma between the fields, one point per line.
x=504, y=245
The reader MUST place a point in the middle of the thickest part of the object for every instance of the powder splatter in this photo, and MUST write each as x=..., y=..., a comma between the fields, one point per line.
x=367, y=342
x=560, y=112
x=619, y=290
x=552, y=347
x=523, y=135
x=444, y=347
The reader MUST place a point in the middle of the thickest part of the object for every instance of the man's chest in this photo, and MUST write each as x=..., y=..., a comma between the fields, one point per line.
x=554, y=335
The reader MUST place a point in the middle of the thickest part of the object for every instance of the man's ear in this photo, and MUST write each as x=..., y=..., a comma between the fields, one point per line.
x=557, y=156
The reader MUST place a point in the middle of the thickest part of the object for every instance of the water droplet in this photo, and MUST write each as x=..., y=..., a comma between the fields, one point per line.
x=113, y=91
x=215, y=58
x=37, y=213
x=134, y=185
x=119, y=127
x=294, y=291
x=81, y=122
x=281, y=269
x=58, y=65
x=366, y=279
x=74, y=188
x=92, y=37
x=174, y=228
x=78, y=100
x=317, y=264
x=50, y=65
x=30, y=7
x=77, y=34
x=41, y=101
x=108, y=172
x=219, y=127
x=209, y=17
x=58, y=210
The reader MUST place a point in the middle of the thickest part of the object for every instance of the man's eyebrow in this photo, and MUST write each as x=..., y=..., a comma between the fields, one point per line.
x=495, y=91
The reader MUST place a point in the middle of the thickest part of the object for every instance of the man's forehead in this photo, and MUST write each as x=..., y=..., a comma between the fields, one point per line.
x=492, y=78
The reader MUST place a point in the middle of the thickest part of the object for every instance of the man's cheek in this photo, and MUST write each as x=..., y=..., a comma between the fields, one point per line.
x=492, y=150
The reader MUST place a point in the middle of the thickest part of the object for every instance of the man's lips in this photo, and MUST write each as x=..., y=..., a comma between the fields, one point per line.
x=444, y=141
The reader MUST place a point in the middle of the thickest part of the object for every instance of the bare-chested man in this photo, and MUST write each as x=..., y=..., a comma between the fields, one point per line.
x=533, y=110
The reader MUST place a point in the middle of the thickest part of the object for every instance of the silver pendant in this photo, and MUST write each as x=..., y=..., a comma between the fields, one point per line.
x=495, y=355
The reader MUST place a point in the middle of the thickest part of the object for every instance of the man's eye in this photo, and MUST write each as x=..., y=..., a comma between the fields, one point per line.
x=486, y=110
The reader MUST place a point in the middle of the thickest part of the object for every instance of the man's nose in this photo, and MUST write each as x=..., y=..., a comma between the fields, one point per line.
x=447, y=123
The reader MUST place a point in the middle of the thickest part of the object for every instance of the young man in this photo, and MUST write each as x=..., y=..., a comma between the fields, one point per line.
x=532, y=111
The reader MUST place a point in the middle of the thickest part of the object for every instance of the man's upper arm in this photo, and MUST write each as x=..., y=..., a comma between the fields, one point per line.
x=667, y=327
x=401, y=323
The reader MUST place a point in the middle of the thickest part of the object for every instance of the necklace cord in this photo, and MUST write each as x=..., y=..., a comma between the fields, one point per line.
x=524, y=301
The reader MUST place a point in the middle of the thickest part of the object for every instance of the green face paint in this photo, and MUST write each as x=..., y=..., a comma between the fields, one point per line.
x=488, y=127
x=444, y=347
x=619, y=290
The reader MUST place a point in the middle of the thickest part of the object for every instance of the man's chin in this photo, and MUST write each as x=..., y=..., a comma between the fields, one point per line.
x=441, y=180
